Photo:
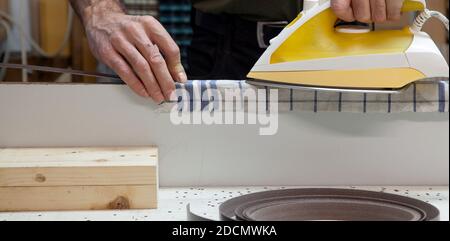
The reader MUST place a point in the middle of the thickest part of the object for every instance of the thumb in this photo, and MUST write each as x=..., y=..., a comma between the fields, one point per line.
x=172, y=56
x=177, y=71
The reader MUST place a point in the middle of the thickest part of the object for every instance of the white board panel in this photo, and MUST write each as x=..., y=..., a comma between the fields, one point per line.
x=309, y=149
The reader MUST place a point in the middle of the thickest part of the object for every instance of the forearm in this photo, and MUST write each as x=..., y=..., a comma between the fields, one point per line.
x=86, y=9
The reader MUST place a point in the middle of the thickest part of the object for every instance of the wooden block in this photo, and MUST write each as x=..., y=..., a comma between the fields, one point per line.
x=69, y=198
x=57, y=179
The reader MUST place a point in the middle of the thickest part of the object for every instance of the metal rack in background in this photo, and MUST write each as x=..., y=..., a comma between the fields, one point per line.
x=142, y=7
x=175, y=15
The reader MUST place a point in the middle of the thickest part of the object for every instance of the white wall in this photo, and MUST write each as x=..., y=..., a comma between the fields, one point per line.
x=310, y=149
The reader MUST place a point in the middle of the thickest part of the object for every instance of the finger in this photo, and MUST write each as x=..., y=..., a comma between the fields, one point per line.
x=158, y=34
x=121, y=67
x=361, y=10
x=139, y=65
x=394, y=9
x=159, y=67
x=343, y=10
x=157, y=63
x=378, y=8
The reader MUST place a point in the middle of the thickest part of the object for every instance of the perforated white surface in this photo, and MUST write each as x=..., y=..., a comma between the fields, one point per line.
x=205, y=202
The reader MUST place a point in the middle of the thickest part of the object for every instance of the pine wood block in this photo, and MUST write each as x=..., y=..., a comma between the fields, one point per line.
x=56, y=179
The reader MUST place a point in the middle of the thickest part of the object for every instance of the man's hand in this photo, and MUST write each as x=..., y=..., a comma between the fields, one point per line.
x=367, y=10
x=138, y=49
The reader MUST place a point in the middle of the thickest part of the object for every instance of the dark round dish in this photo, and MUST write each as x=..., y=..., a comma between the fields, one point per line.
x=319, y=204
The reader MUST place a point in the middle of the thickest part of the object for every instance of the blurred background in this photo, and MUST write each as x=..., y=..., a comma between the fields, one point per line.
x=46, y=32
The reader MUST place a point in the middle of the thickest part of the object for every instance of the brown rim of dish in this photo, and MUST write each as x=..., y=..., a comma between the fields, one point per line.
x=326, y=204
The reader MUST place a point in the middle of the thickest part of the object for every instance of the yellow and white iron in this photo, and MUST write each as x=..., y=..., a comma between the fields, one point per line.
x=312, y=53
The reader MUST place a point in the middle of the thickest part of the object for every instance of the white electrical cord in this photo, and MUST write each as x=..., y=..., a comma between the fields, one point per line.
x=424, y=16
x=35, y=45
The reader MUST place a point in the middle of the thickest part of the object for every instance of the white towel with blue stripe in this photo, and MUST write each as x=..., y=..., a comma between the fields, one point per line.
x=423, y=97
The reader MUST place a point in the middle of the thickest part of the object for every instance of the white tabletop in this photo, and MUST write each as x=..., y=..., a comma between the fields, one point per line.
x=205, y=201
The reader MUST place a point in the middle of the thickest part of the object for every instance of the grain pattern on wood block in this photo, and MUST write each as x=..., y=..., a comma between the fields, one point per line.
x=77, y=198
x=78, y=178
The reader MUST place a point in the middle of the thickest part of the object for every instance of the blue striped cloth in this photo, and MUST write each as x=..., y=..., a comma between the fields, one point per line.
x=425, y=96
